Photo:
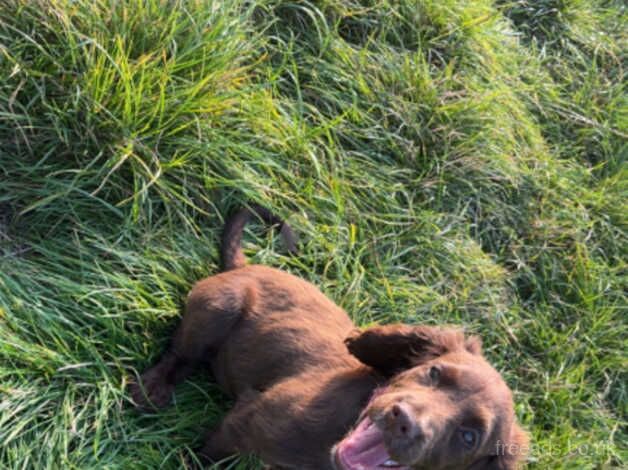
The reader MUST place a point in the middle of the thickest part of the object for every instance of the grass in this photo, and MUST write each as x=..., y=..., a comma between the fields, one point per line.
x=452, y=161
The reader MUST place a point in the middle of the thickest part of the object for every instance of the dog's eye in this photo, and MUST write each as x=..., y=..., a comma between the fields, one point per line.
x=469, y=437
x=434, y=374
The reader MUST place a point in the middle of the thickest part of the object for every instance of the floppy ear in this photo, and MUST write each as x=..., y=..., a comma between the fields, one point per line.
x=393, y=348
x=473, y=344
x=508, y=455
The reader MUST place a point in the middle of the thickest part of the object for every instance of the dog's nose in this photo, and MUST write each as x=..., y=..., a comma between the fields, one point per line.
x=401, y=422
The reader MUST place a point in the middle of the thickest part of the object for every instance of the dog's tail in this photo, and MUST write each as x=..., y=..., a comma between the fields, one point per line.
x=231, y=249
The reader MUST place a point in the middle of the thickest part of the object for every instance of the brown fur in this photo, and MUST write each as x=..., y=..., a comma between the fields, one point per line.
x=302, y=376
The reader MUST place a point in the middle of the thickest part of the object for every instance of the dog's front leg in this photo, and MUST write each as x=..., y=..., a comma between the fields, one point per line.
x=233, y=435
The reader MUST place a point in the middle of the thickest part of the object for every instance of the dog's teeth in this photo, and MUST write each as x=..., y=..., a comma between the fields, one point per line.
x=390, y=463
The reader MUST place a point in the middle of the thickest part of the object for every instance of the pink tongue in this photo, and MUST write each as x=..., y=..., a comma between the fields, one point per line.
x=364, y=448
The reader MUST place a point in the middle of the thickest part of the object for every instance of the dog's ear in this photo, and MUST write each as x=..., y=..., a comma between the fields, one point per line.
x=393, y=348
x=473, y=344
x=509, y=454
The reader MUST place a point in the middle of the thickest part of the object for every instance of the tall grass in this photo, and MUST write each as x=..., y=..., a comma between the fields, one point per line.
x=444, y=162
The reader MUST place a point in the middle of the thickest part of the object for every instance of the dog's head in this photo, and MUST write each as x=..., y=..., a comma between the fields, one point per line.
x=444, y=406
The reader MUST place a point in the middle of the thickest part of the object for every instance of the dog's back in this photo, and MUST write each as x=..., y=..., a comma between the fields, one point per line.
x=260, y=324
x=278, y=326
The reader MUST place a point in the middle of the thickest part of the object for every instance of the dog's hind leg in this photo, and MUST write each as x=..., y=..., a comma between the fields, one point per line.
x=213, y=307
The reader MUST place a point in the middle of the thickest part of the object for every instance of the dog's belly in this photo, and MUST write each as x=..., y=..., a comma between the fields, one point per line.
x=288, y=327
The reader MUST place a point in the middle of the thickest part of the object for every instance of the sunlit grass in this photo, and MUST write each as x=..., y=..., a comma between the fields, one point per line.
x=443, y=161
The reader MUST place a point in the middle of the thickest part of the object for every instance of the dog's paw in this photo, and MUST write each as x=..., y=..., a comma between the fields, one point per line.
x=152, y=391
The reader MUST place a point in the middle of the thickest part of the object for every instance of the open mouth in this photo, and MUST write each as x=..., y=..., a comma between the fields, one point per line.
x=364, y=449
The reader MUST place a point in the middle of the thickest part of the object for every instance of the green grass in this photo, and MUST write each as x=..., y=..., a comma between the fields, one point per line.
x=444, y=161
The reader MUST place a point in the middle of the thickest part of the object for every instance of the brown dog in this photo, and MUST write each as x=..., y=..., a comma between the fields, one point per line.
x=403, y=397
